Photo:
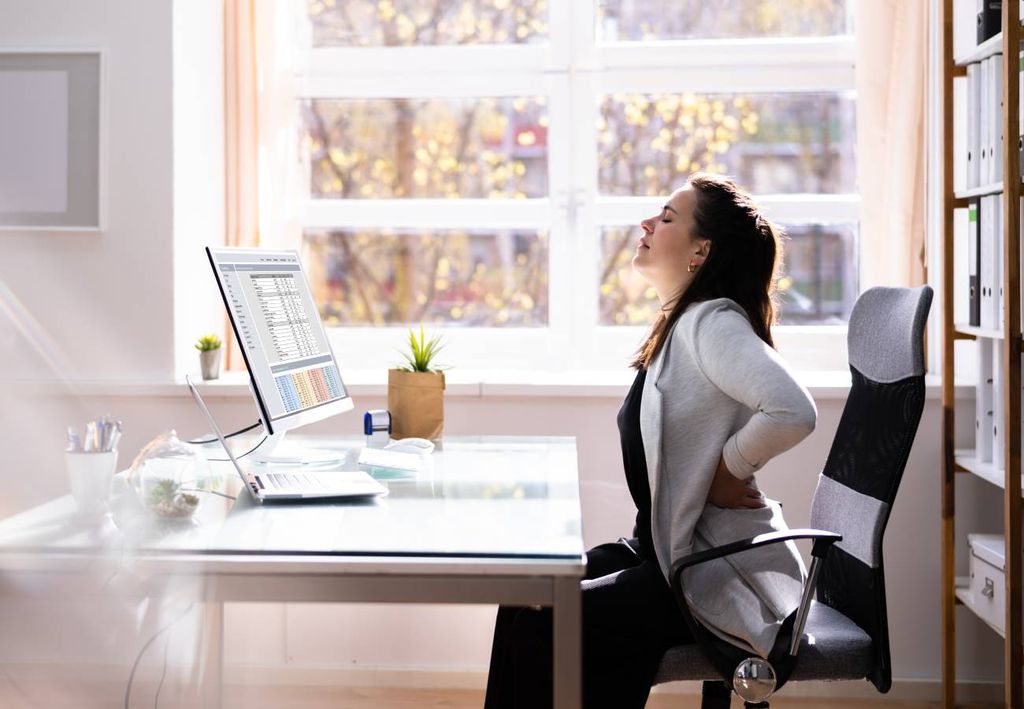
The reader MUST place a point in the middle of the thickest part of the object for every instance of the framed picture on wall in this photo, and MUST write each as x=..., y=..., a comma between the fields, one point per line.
x=50, y=152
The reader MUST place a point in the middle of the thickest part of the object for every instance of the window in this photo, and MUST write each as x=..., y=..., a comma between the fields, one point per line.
x=481, y=165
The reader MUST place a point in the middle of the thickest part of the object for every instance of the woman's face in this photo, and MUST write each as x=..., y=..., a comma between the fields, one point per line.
x=669, y=244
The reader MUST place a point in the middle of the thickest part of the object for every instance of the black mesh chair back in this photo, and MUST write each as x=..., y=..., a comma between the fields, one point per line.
x=862, y=473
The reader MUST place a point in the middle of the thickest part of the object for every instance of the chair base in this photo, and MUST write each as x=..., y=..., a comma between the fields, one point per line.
x=715, y=695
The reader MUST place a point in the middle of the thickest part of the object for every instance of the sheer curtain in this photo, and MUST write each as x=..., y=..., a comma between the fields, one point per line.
x=241, y=138
x=891, y=139
x=261, y=140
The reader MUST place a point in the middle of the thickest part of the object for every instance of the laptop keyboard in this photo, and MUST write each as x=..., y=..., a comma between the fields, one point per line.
x=281, y=481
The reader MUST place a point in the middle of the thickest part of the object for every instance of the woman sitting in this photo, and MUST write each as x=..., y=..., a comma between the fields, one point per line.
x=712, y=402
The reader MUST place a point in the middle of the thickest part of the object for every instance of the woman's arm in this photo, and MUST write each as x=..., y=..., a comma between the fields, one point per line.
x=746, y=369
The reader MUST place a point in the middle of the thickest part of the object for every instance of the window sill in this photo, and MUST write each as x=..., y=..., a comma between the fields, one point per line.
x=465, y=384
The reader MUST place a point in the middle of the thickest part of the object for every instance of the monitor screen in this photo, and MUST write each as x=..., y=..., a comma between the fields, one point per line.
x=294, y=375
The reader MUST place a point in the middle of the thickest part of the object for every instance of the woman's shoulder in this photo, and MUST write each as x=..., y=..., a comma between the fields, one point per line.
x=711, y=315
x=713, y=307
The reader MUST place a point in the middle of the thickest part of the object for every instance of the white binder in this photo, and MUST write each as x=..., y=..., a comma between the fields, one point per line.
x=985, y=262
x=998, y=390
x=973, y=134
x=999, y=253
x=973, y=276
x=984, y=121
x=996, y=136
x=963, y=263
x=983, y=402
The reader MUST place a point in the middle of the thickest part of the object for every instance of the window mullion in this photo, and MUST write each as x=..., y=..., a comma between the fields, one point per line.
x=586, y=239
x=573, y=71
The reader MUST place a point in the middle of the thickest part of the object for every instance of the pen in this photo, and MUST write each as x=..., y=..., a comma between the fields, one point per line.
x=74, y=443
x=115, y=436
x=108, y=432
x=90, y=437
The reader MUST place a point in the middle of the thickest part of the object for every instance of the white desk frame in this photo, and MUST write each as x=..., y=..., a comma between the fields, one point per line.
x=329, y=578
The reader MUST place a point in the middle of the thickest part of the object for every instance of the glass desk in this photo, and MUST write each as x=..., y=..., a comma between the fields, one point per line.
x=491, y=520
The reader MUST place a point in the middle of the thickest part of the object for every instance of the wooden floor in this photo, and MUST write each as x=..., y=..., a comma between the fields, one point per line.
x=56, y=694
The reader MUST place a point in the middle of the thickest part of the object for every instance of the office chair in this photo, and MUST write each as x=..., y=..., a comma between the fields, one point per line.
x=843, y=635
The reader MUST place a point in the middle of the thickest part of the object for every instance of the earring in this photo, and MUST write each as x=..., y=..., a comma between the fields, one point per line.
x=692, y=267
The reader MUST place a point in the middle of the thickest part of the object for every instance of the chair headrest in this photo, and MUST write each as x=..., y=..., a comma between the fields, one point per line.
x=886, y=332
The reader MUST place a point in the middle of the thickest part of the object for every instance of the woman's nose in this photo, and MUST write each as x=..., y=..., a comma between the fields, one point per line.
x=647, y=226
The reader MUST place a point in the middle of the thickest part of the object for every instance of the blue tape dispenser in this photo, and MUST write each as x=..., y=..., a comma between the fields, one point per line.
x=377, y=427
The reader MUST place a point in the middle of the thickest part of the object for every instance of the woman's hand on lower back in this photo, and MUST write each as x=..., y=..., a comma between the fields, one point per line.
x=730, y=492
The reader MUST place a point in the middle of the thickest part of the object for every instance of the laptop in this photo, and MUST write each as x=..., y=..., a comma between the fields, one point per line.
x=294, y=484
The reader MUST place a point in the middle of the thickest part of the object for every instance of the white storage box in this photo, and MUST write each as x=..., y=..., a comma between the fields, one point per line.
x=988, y=579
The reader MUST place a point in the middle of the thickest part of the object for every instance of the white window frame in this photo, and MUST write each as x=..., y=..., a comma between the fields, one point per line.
x=572, y=71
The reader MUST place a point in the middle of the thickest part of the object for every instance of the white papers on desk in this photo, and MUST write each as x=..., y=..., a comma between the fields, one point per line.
x=391, y=460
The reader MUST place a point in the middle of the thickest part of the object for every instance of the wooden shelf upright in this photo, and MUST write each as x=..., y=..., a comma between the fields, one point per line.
x=1007, y=340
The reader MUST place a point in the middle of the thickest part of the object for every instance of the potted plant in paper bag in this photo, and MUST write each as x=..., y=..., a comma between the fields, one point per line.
x=209, y=356
x=416, y=391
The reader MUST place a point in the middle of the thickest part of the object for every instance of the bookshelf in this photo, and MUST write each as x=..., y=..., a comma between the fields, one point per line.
x=1005, y=340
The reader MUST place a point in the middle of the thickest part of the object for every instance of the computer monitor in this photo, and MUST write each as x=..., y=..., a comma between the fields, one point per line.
x=293, y=372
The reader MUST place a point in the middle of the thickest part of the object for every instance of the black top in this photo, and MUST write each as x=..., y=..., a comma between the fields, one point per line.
x=635, y=462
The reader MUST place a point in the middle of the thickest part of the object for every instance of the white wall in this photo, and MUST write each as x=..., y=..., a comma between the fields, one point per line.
x=101, y=307
x=199, y=192
x=104, y=298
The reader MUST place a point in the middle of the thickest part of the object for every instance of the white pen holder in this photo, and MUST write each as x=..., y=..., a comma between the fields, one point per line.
x=90, y=475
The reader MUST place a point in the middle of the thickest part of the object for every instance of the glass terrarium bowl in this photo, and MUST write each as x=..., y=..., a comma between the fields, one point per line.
x=166, y=475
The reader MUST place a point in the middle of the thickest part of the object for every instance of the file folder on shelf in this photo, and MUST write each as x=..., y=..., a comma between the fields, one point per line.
x=996, y=116
x=984, y=120
x=983, y=402
x=974, y=285
x=986, y=228
x=973, y=134
x=998, y=384
x=998, y=254
x=961, y=277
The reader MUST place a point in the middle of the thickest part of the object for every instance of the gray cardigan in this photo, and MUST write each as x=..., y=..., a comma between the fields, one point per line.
x=716, y=389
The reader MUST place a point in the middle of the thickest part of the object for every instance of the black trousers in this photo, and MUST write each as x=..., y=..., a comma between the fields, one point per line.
x=629, y=620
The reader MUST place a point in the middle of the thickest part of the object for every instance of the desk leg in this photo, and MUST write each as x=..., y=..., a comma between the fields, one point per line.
x=568, y=638
x=213, y=656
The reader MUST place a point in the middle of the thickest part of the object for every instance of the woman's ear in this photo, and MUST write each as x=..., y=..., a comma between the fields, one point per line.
x=700, y=255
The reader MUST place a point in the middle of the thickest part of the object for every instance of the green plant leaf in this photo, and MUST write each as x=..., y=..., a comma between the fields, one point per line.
x=207, y=343
x=422, y=351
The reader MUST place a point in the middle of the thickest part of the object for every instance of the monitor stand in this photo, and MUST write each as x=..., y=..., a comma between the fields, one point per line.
x=265, y=454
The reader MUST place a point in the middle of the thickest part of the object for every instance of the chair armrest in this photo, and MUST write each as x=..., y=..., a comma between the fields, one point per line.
x=823, y=541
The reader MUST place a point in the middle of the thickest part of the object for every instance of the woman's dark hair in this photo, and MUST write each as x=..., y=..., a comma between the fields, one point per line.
x=742, y=264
